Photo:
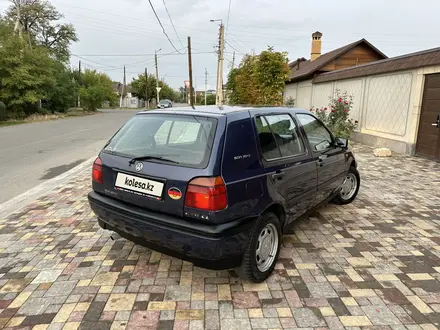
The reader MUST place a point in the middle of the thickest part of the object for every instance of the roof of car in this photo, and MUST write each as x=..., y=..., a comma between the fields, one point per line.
x=225, y=110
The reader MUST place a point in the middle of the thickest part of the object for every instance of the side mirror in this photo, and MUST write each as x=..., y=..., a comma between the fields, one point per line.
x=341, y=142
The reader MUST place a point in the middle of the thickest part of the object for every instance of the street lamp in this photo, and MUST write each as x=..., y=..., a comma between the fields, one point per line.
x=217, y=20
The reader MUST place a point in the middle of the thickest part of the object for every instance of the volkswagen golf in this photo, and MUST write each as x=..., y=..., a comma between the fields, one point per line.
x=219, y=187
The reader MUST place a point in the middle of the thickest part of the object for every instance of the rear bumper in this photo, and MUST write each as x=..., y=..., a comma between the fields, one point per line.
x=208, y=246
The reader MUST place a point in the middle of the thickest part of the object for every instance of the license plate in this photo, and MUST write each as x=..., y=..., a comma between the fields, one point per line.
x=141, y=185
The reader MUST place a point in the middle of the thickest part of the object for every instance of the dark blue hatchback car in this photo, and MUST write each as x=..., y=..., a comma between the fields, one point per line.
x=219, y=187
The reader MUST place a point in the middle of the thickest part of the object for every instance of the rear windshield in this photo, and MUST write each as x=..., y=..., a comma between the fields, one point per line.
x=181, y=138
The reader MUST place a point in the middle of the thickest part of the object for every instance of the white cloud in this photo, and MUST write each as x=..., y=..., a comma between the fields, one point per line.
x=129, y=27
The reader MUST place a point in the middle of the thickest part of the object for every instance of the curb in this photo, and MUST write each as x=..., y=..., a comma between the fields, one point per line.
x=17, y=203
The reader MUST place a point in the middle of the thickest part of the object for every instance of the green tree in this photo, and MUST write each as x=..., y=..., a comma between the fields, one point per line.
x=167, y=92
x=64, y=93
x=138, y=84
x=26, y=75
x=259, y=79
x=210, y=99
x=231, y=86
x=39, y=21
x=96, y=89
x=271, y=73
x=3, y=112
x=246, y=82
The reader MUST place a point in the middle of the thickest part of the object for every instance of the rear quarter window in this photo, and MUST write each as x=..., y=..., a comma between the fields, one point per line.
x=240, y=157
x=184, y=139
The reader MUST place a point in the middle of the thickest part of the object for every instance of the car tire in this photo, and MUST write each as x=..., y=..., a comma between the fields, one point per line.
x=348, y=193
x=265, y=240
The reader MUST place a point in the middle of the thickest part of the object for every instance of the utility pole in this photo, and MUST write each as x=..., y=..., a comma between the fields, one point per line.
x=206, y=83
x=191, y=96
x=233, y=60
x=124, y=91
x=147, y=103
x=221, y=58
x=157, y=76
x=79, y=83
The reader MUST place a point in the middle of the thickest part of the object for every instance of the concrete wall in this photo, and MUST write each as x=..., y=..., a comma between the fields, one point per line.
x=386, y=106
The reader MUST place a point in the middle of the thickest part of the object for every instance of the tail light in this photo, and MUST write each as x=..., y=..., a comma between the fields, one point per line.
x=97, y=171
x=207, y=194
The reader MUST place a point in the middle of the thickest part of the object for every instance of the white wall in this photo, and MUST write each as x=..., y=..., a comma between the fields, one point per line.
x=387, y=106
x=355, y=88
x=301, y=93
x=304, y=95
x=321, y=94
x=388, y=103
x=290, y=92
x=381, y=104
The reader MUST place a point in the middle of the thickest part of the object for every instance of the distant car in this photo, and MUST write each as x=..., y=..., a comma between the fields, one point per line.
x=165, y=104
x=219, y=187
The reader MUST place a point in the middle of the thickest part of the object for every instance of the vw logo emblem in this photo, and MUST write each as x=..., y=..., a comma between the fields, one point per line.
x=139, y=167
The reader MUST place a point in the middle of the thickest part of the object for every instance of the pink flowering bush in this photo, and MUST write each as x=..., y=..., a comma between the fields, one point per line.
x=337, y=115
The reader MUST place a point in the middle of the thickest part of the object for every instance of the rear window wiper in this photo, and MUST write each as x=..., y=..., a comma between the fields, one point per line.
x=150, y=157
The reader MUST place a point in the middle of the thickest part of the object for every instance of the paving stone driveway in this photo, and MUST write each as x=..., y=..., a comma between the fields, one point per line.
x=372, y=265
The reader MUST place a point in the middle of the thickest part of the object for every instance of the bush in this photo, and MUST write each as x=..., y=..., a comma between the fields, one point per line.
x=97, y=89
x=290, y=102
x=210, y=99
x=3, y=112
x=337, y=115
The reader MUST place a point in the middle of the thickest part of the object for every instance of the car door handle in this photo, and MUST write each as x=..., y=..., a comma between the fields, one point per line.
x=437, y=123
x=279, y=175
x=320, y=160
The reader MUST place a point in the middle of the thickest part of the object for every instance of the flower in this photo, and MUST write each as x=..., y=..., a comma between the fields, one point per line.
x=346, y=103
x=346, y=111
x=340, y=100
x=356, y=122
x=333, y=111
x=325, y=109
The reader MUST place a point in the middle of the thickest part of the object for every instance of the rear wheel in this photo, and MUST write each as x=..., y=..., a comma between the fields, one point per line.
x=262, y=250
x=349, y=188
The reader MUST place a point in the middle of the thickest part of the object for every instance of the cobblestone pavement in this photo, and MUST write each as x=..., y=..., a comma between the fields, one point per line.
x=374, y=264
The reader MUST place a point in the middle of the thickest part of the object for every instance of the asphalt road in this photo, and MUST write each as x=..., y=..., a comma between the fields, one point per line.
x=33, y=153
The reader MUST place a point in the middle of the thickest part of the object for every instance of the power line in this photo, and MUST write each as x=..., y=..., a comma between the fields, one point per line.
x=169, y=16
x=227, y=20
x=116, y=68
x=163, y=29
x=137, y=54
x=241, y=53
x=85, y=59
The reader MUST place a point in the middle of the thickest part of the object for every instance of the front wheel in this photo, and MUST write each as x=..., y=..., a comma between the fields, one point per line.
x=262, y=251
x=349, y=188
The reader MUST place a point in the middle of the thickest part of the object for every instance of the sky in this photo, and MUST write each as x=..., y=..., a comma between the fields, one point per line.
x=114, y=33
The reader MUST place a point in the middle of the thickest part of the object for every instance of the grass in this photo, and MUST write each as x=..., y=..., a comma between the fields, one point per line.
x=37, y=117
x=11, y=123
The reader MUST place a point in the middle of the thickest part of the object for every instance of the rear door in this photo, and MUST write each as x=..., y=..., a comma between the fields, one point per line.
x=186, y=143
x=330, y=159
x=291, y=171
